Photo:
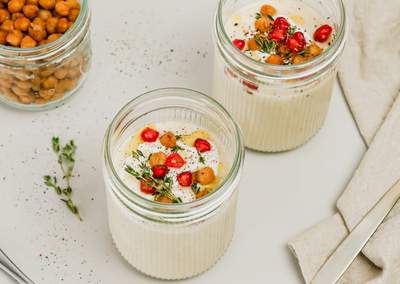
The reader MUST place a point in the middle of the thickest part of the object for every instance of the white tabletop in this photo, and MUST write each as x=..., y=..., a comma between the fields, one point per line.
x=139, y=46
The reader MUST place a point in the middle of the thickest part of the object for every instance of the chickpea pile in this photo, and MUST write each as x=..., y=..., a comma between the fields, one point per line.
x=30, y=23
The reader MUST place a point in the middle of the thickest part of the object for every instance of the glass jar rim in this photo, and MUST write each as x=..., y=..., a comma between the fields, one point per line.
x=304, y=69
x=177, y=211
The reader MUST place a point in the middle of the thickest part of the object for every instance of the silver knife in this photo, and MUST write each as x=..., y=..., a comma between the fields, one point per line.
x=8, y=266
x=345, y=254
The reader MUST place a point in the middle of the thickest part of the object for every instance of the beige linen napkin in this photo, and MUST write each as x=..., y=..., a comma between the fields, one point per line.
x=370, y=76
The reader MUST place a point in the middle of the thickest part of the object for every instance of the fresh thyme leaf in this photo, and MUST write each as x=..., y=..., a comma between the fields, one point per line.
x=195, y=188
x=140, y=153
x=201, y=158
x=270, y=17
x=148, y=159
x=303, y=53
x=178, y=137
x=176, y=149
x=267, y=46
x=259, y=16
x=135, y=155
x=291, y=30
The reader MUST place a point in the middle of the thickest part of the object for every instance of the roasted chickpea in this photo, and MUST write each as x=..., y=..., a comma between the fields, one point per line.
x=314, y=50
x=53, y=37
x=62, y=8
x=36, y=88
x=20, y=91
x=253, y=45
x=3, y=36
x=63, y=85
x=274, y=59
x=50, y=82
x=9, y=95
x=73, y=15
x=202, y=193
x=46, y=93
x=48, y=4
x=37, y=80
x=41, y=101
x=14, y=37
x=37, y=32
x=4, y=16
x=16, y=16
x=57, y=96
x=32, y=2
x=40, y=22
x=70, y=24
x=4, y=1
x=47, y=72
x=158, y=159
x=168, y=140
x=62, y=25
x=27, y=99
x=60, y=73
x=24, y=84
x=267, y=10
x=31, y=11
x=74, y=4
x=283, y=50
x=263, y=24
x=51, y=25
x=205, y=176
x=44, y=14
x=7, y=26
x=42, y=42
x=28, y=42
x=15, y=6
x=163, y=199
x=22, y=24
x=299, y=59
x=56, y=15
x=74, y=72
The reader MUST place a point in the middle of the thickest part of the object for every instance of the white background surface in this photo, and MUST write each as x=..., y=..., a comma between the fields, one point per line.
x=139, y=46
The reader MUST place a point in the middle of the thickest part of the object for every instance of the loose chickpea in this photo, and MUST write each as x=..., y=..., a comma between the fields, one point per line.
x=50, y=82
x=42, y=42
x=44, y=14
x=48, y=4
x=7, y=26
x=168, y=140
x=253, y=45
x=63, y=85
x=22, y=24
x=62, y=25
x=53, y=37
x=163, y=199
x=73, y=15
x=57, y=96
x=15, y=6
x=267, y=10
x=60, y=73
x=16, y=16
x=263, y=24
x=274, y=59
x=314, y=50
x=202, y=193
x=299, y=59
x=62, y=8
x=14, y=37
x=3, y=36
x=32, y=2
x=37, y=32
x=31, y=11
x=74, y=4
x=46, y=93
x=283, y=50
x=158, y=159
x=205, y=176
x=51, y=25
x=4, y=16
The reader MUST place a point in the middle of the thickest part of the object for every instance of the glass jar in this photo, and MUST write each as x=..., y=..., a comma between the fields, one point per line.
x=178, y=240
x=278, y=107
x=66, y=61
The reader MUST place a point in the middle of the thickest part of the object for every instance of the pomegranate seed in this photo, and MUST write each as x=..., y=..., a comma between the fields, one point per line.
x=185, y=178
x=299, y=36
x=159, y=171
x=281, y=23
x=296, y=42
x=278, y=35
x=149, y=135
x=146, y=188
x=202, y=145
x=239, y=43
x=175, y=161
x=322, y=33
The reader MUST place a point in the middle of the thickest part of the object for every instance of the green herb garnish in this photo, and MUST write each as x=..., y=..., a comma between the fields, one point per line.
x=303, y=53
x=178, y=137
x=259, y=16
x=291, y=30
x=176, y=149
x=267, y=46
x=201, y=158
x=194, y=187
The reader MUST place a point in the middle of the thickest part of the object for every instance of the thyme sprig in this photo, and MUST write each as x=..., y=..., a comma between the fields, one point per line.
x=303, y=53
x=259, y=16
x=66, y=157
x=267, y=46
x=291, y=30
x=201, y=158
x=176, y=149
x=194, y=187
x=178, y=137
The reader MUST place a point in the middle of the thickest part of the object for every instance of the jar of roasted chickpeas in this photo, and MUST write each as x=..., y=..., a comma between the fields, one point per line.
x=45, y=51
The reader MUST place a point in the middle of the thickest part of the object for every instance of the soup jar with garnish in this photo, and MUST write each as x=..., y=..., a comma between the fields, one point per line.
x=172, y=162
x=45, y=51
x=275, y=67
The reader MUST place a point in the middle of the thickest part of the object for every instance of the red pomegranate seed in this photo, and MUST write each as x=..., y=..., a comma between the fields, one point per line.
x=159, y=171
x=175, y=161
x=146, y=188
x=278, y=35
x=296, y=42
x=322, y=33
x=202, y=145
x=281, y=23
x=185, y=178
x=239, y=43
x=149, y=135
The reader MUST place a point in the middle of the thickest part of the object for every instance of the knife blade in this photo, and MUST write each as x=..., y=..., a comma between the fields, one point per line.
x=347, y=251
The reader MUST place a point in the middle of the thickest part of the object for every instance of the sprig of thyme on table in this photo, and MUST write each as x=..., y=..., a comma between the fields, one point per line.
x=66, y=157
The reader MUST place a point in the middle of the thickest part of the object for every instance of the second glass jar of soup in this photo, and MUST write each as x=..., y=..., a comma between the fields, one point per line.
x=269, y=72
x=45, y=57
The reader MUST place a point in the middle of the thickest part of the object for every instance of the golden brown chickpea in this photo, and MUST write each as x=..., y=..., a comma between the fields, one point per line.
x=3, y=36
x=42, y=42
x=37, y=32
x=299, y=59
x=36, y=88
x=202, y=193
x=50, y=82
x=62, y=8
x=7, y=26
x=74, y=4
x=24, y=84
x=314, y=50
x=53, y=37
x=46, y=93
x=168, y=140
x=62, y=25
x=57, y=96
x=22, y=24
x=74, y=72
x=263, y=24
x=27, y=99
x=158, y=159
x=47, y=72
x=205, y=176
x=44, y=14
x=28, y=42
x=163, y=199
x=73, y=84
x=48, y=4
x=32, y=2
x=4, y=16
x=60, y=73
x=14, y=37
x=63, y=85
x=70, y=24
x=283, y=50
x=20, y=91
x=15, y=6
x=51, y=25
x=37, y=80
x=40, y=22
x=253, y=45
x=9, y=95
x=16, y=16
x=274, y=59
x=56, y=15
x=41, y=101
x=267, y=9
x=6, y=84
x=31, y=11
x=73, y=15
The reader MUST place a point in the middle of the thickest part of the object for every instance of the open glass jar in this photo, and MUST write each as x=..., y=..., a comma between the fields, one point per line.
x=46, y=76
x=173, y=240
x=278, y=107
